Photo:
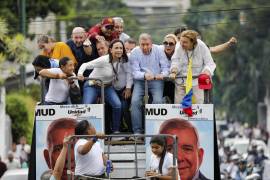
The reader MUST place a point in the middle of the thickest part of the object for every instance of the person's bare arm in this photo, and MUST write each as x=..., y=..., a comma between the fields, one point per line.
x=222, y=47
x=84, y=149
x=60, y=162
x=48, y=74
x=105, y=158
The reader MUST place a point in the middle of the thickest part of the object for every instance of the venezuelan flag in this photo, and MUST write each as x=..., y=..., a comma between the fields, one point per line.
x=187, y=100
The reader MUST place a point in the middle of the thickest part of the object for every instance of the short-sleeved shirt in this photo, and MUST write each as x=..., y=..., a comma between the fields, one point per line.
x=58, y=88
x=90, y=163
x=59, y=51
x=167, y=163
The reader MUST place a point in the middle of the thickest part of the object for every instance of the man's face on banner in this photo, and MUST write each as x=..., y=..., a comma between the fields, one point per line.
x=189, y=155
x=55, y=146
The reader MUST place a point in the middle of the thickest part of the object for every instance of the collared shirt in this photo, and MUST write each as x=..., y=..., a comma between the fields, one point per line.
x=201, y=60
x=196, y=175
x=124, y=75
x=154, y=63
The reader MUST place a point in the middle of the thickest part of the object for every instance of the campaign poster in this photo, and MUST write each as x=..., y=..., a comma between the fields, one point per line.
x=53, y=122
x=160, y=118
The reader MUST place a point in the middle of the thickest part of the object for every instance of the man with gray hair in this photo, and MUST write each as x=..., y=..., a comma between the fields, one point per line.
x=119, y=28
x=190, y=154
x=148, y=63
x=81, y=47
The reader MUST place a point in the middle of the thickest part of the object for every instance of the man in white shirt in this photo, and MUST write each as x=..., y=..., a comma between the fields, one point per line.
x=89, y=157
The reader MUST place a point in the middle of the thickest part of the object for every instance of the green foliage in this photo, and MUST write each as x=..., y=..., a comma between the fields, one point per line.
x=20, y=106
x=83, y=14
x=12, y=47
x=10, y=9
x=242, y=73
x=17, y=107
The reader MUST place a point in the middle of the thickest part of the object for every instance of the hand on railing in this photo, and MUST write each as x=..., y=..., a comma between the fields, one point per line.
x=159, y=77
x=80, y=77
x=149, y=76
x=100, y=135
x=172, y=76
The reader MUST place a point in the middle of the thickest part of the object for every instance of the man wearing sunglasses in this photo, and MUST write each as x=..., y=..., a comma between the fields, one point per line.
x=103, y=31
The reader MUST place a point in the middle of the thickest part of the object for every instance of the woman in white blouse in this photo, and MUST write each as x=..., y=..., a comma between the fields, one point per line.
x=105, y=68
x=161, y=162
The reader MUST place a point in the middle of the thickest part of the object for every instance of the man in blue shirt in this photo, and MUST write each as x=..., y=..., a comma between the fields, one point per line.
x=149, y=63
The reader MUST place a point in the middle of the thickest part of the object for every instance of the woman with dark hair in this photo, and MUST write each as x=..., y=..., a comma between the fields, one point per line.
x=58, y=92
x=89, y=157
x=43, y=62
x=106, y=68
x=161, y=162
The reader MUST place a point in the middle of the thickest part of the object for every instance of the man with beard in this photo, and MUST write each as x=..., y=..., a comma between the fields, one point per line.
x=81, y=47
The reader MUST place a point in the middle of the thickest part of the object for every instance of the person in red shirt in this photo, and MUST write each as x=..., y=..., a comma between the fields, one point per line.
x=103, y=31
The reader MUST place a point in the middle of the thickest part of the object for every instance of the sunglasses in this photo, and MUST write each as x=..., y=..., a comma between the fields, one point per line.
x=165, y=43
x=109, y=27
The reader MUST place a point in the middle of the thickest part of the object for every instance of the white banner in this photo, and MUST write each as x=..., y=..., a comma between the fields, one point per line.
x=195, y=147
x=165, y=111
x=53, y=123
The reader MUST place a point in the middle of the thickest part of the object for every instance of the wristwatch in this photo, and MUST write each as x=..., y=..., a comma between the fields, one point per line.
x=94, y=139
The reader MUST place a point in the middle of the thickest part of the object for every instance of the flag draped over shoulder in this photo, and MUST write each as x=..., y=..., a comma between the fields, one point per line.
x=187, y=100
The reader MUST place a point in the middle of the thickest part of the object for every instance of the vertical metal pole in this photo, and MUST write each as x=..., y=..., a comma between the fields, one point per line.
x=109, y=148
x=69, y=162
x=43, y=90
x=146, y=97
x=175, y=153
x=136, y=157
x=23, y=31
x=102, y=92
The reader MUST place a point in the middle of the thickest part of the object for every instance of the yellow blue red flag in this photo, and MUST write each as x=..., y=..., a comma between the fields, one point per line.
x=187, y=100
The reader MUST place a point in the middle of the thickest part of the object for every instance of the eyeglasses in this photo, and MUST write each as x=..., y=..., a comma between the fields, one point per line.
x=165, y=43
x=109, y=27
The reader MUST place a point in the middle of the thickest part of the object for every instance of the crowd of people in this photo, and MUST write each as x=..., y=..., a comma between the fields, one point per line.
x=237, y=162
x=17, y=156
x=105, y=52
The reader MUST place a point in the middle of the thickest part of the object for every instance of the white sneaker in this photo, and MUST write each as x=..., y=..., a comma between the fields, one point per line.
x=136, y=138
x=117, y=138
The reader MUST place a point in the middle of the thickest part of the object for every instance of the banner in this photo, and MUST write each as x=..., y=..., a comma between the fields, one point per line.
x=195, y=134
x=53, y=122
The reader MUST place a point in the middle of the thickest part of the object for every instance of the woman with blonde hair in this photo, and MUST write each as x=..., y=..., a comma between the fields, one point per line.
x=194, y=49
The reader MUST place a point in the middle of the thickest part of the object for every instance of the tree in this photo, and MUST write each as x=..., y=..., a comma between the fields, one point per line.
x=10, y=9
x=242, y=72
x=83, y=14
x=12, y=47
x=20, y=108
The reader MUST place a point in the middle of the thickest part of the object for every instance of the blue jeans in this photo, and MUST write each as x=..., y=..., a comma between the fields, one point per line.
x=156, y=89
x=125, y=109
x=90, y=94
